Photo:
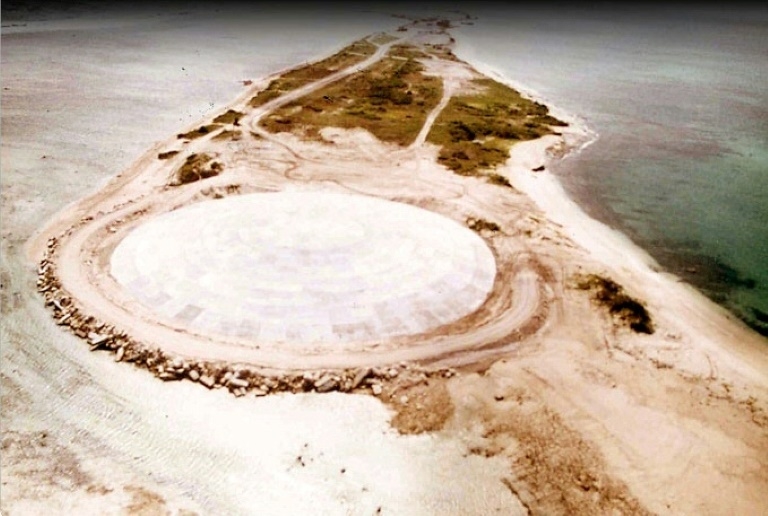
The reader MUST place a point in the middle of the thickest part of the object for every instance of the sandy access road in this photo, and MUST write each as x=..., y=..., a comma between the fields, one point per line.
x=583, y=416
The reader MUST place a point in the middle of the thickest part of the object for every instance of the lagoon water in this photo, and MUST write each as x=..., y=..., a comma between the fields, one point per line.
x=679, y=101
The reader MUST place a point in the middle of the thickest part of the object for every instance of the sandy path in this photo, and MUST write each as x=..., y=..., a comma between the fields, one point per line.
x=456, y=78
x=252, y=119
x=430, y=121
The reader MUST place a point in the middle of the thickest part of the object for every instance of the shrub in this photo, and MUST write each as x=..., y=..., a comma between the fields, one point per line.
x=167, y=155
x=611, y=295
x=498, y=179
x=195, y=169
x=230, y=117
x=197, y=133
x=475, y=131
x=482, y=225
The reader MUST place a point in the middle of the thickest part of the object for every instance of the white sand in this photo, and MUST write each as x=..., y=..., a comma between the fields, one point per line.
x=100, y=98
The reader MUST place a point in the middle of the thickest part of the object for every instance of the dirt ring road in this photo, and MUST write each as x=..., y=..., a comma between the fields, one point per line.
x=516, y=307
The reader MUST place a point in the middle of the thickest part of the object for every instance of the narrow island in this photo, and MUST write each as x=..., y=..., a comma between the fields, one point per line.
x=382, y=222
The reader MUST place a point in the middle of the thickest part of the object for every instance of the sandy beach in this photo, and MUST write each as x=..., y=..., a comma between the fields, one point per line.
x=540, y=402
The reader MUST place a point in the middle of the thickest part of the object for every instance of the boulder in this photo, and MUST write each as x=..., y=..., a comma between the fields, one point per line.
x=326, y=384
x=238, y=383
x=361, y=375
x=97, y=339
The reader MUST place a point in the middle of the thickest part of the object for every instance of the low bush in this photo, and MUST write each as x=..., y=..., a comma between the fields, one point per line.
x=230, y=117
x=167, y=155
x=480, y=225
x=197, y=133
x=611, y=295
x=498, y=179
x=195, y=168
x=348, y=56
x=391, y=99
x=476, y=131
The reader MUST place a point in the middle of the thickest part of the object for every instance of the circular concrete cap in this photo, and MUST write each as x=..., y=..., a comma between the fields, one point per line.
x=305, y=267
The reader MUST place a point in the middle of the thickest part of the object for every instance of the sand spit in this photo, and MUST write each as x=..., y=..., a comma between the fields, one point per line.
x=553, y=404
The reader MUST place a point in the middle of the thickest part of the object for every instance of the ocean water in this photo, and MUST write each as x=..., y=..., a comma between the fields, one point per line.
x=679, y=100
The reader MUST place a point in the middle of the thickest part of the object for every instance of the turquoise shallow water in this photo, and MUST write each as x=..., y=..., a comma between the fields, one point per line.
x=680, y=103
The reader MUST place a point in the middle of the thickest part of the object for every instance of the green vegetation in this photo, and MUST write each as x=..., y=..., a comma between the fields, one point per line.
x=391, y=99
x=230, y=117
x=481, y=225
x=272, y=91
x=200, y=131
x=346, y=57
x=167, y=155
x=383, y=38
x=476, y=131
x=195, y=168
x=498, y=179
x=227, y=135
x=406, y=52
x=611, y=295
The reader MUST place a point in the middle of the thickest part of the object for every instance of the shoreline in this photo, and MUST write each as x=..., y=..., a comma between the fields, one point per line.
x=637, y=268
x=708, y=272
x=605, y=390
x=568, y=217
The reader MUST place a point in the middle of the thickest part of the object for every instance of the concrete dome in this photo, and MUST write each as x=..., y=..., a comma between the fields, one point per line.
x=305, y=267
